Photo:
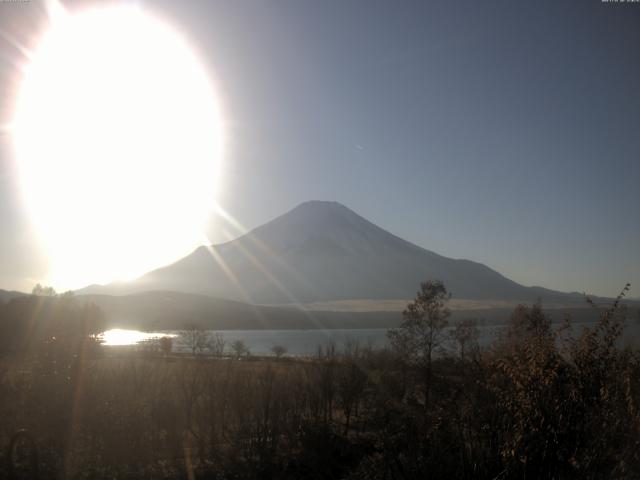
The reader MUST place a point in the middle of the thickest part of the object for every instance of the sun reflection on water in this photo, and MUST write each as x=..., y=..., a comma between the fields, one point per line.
x=119, y=336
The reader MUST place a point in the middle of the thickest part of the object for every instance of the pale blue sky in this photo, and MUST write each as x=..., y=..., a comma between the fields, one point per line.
x=503, y=132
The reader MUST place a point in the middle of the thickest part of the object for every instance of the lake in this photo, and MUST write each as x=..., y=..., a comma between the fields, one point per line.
x=306, y=342
x=260, y=342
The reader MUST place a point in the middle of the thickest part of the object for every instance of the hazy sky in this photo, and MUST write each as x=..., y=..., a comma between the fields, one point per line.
x=504, y=132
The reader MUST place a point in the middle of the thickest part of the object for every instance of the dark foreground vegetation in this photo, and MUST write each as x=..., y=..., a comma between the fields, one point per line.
x=541, y=402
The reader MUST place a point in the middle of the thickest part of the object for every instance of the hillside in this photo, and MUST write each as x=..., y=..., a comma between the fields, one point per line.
x=6, y=295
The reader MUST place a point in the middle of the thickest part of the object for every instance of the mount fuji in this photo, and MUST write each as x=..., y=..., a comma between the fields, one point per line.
x=323, y=251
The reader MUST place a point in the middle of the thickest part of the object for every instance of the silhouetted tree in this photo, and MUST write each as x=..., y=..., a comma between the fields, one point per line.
x=239, y=348
x=466, y=335
x=217, y=344
x=166, y=345
x=196, y=338
x=278, y=350
x=351, y=381
x=43, y=291
x=422, y=331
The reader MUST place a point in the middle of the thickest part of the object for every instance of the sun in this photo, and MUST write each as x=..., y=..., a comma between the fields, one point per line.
x=118, y=141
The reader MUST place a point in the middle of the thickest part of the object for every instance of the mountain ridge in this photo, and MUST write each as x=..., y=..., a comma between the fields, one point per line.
x=323, y=251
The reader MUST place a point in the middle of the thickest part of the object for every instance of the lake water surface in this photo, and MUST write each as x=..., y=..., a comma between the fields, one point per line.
x=260, y=342
x=306, y=342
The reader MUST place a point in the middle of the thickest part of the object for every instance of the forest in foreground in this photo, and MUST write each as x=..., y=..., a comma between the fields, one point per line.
x=542, y=401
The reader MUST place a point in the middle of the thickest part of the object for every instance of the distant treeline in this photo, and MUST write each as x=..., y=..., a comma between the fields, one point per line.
x=541, y=402
x=153, y=311
x=29, y=322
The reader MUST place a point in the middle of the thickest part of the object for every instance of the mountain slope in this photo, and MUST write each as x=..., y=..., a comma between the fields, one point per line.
x=322, y=251
x=6, y=295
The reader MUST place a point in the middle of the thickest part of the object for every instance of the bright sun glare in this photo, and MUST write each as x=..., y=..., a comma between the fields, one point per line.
x=117, y=139
x=118, y=336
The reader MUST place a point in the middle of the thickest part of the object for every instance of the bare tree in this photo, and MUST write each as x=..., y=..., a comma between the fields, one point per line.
x=43, y=291
x=352, y=381
x=279, y=350
x=422, y=331
x=239, y=348
x=196, y=338
x=466, y=335
x=217, y=344
x=166, y=345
